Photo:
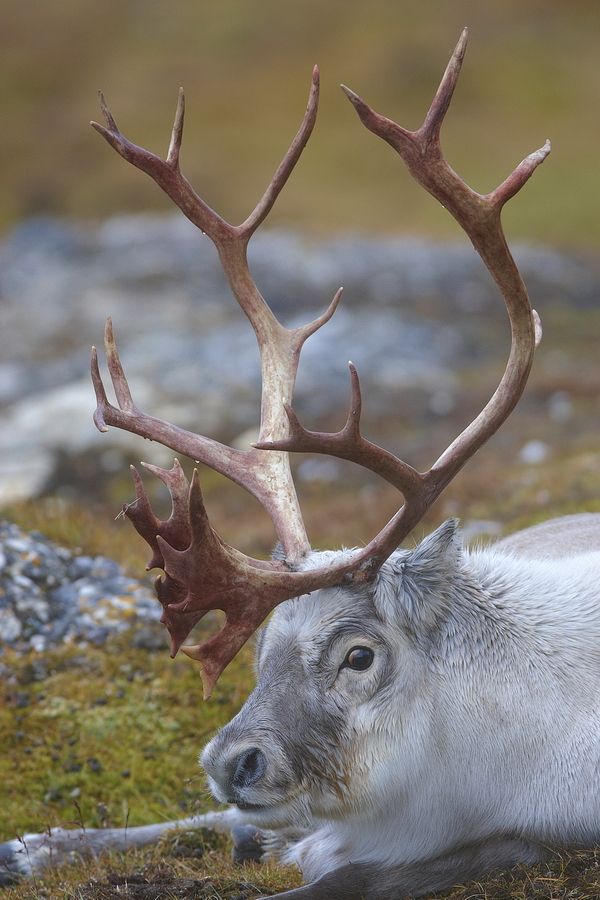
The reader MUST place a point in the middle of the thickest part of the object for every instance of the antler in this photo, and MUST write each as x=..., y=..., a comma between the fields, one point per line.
x=479, y=217
x=201, y=571
x=207, y=574
x=279, y=348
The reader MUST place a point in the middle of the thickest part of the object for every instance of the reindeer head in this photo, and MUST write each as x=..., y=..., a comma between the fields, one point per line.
x=201, y=572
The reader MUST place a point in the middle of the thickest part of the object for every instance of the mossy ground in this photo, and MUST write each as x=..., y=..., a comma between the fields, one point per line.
x=104, y=735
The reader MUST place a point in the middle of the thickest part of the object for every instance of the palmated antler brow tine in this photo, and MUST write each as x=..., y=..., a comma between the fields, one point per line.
x=201, y=571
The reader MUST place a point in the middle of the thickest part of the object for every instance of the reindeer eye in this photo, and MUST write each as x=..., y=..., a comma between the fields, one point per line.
x=359, y=659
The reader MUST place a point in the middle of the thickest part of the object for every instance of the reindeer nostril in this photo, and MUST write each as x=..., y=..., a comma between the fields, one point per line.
x=250, y=768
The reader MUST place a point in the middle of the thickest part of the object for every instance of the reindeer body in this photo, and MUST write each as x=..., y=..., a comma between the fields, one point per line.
x=477, y=723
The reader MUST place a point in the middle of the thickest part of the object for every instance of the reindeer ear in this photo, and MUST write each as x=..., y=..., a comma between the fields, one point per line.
x=416, y=586
x=438, y=554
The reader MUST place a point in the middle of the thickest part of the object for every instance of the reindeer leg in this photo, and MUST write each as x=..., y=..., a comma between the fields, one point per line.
x=31, y=854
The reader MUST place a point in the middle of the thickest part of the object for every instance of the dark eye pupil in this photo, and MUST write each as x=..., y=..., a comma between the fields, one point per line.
x=359, y=658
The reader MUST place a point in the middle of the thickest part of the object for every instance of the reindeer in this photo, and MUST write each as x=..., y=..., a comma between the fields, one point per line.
x=420, y=716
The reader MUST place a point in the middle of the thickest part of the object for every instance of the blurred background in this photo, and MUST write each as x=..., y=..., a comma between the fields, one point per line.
x=86, y=236
x=532, y=72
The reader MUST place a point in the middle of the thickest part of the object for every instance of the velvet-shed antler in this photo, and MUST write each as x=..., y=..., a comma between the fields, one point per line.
x=201, y=571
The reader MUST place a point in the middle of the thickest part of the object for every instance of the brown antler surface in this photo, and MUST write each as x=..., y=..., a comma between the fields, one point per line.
x=201, y=571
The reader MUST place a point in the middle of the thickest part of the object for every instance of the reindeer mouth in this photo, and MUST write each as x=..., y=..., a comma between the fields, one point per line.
x=267, y=808
x=251, y=807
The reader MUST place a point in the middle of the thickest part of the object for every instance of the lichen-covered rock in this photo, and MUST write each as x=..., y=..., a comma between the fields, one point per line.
x=50, y=595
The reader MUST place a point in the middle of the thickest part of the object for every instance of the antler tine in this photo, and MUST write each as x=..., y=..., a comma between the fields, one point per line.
x=289, y=161
x=117, y=375
x=177, y=133
x=166, y=173
x=128, y=417
x=176, y=530
x=349, y=444
x=441, y=101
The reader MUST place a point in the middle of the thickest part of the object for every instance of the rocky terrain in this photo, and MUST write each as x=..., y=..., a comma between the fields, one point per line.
x=50, y=595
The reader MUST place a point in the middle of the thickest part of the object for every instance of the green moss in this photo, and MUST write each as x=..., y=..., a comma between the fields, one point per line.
x=106, y=735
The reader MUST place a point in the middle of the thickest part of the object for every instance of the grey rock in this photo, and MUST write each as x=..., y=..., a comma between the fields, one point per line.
x=50, y=595
x=247, y=844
